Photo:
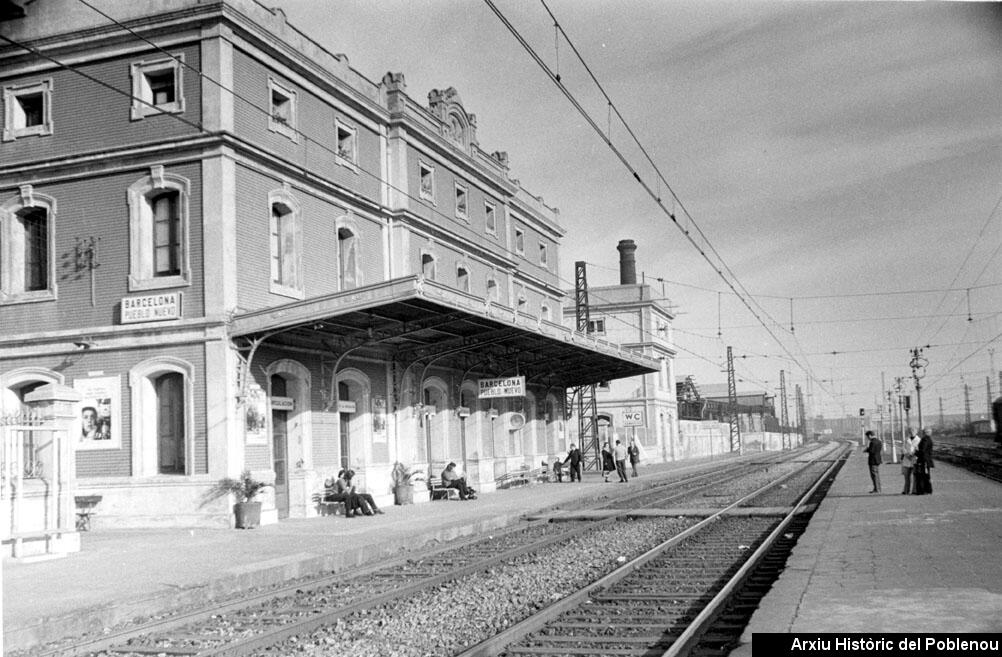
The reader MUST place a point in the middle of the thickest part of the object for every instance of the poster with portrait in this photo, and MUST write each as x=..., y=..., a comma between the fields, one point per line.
x=256, y=416
x=100, y=424
x=379, y=416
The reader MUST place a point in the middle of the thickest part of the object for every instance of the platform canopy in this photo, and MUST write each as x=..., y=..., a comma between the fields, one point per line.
x=416, y=321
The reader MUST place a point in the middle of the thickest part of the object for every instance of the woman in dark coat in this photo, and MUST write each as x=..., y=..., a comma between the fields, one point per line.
x=923, y=464
x=608, y=463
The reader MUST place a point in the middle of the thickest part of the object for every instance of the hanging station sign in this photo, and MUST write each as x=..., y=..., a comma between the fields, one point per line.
x=513, y=386
x=151, y=308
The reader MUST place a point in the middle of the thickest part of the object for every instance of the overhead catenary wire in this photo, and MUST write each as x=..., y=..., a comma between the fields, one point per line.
x=252, y=104
x=748, y=300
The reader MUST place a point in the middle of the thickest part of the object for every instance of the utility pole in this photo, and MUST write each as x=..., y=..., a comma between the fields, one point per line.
x=988, y=387
x=784, y=414
x=880, y=406
x=967, y=409
x=942, y=418
x=918, y=365
x=732, y=406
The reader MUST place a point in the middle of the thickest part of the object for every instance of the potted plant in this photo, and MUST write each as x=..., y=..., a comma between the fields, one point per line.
x=247, y=512
x=404, y=478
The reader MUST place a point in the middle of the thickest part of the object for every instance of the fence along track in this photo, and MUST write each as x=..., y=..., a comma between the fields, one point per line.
x=632, y=612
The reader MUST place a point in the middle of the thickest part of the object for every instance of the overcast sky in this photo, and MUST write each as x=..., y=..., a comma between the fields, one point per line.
x=824, y=149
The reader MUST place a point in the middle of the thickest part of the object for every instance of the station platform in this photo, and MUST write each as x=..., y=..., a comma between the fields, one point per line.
x=876, y=563
x=124, y=574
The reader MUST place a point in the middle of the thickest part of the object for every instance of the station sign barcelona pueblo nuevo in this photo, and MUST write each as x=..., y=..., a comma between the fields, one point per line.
x=513, y=386
x=152, y=308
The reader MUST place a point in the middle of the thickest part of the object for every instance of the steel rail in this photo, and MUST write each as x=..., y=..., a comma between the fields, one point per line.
x=497, y=643
x=691, y=635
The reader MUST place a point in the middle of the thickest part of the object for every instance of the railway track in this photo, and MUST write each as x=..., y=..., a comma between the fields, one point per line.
x=313, y=615
x=663, y=602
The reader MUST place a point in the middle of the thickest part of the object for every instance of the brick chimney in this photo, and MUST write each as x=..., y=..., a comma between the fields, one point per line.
x=627, y=262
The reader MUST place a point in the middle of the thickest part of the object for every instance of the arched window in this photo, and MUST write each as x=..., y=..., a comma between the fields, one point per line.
x=428, y=268
x=162, y=417
x=158, y=231
x=27, y=242
x=285, y=239
x=463, y=278
x=347, y=250
x=492, y=289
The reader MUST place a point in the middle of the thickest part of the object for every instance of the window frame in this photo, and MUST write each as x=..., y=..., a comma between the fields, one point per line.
x=597, y=325
x=351, y=134
x=544, y=260
x=519, y=241
x=426, y=170
x=142, y=193
x=463, y=202
x=13, y=246
x=463, y=277
x=429, y=260
x=288, y=127
x=490, y=218
x=12, y=108
x=348, y=246
x=145, y=438
x=142, y=92
x=283, y=288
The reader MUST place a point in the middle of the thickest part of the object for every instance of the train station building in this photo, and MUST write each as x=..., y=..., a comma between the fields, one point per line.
x=230, y=250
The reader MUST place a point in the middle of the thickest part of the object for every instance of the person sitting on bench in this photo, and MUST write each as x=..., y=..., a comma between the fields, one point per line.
x=338, y=491
x=451, y=479
x=365, y=501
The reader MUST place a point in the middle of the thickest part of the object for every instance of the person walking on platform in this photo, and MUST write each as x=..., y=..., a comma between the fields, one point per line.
x=621, y=453
x=574, y=460
x=875, y=449
x=908, y=449
x=923, y=464
x=608, y=463
x=634, y=451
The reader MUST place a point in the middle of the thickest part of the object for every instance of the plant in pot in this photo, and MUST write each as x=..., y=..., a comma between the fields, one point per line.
x=244, y=488
x=404, y=478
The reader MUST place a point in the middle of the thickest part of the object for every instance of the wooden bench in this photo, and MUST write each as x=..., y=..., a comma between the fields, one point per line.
x=325, y=507
x=439, y=491
x=512, y=479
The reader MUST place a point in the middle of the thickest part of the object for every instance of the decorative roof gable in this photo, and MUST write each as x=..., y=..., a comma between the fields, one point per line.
x=457, y=126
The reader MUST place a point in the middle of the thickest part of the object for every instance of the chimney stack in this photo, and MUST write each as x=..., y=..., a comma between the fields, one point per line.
x=627, y=262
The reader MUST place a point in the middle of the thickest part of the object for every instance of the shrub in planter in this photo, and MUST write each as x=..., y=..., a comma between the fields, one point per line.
x=404, y=478
x=246, y=511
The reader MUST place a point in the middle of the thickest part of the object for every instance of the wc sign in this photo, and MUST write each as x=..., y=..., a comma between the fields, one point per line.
x=633, y=417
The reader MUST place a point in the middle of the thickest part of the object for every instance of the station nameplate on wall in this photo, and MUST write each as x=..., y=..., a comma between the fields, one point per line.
x=512, y=386
x=151, y=308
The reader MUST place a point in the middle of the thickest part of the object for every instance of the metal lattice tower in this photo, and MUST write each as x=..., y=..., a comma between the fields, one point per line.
x=784, y=417
x=582, y=400
x=732, y=405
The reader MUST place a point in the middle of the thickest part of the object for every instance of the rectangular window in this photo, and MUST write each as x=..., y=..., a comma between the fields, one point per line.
x=285, y=241
x=166, y=235
x=543, y=257
x=596, y=326
x=519, y=242
x=161, y=87
x=27, y=110
x=461, y=206
x=490, y=211
x=157, y=87
x=282, y=110
x=346, y=144
x=36, y=250
x=427, y=174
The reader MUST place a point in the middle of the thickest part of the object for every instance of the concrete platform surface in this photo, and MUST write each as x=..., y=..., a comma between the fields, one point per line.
x=125, y=574
x=893, y=563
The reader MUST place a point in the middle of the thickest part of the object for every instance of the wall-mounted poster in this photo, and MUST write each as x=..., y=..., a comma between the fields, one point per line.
x=256, y=415
x=100, y=424
x=379, y=415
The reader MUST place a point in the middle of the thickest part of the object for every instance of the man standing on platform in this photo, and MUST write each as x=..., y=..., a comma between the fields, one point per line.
x=619, y=453
x=574, y=459
x=874, y=448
